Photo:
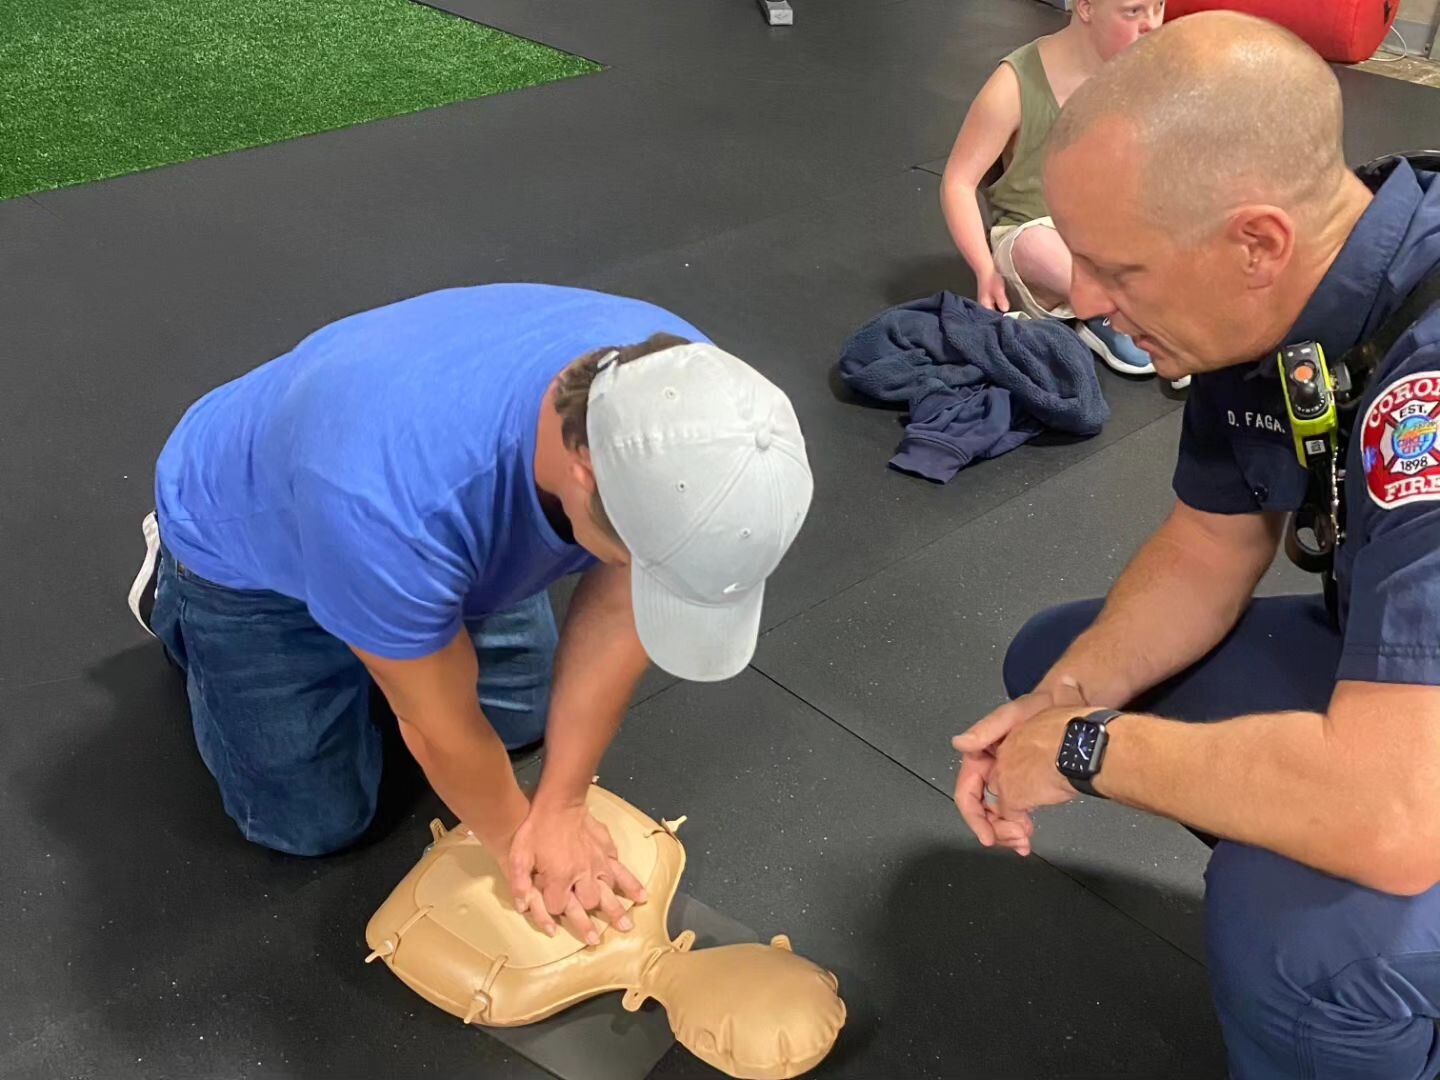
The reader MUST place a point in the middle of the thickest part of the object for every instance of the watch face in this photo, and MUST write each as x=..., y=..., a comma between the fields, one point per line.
x=1080, y=750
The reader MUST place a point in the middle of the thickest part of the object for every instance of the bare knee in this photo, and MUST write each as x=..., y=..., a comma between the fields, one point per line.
x=1043, y=261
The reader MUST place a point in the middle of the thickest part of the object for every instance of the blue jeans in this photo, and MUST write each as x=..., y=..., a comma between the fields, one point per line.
x=1312, y=977
x=281, y=707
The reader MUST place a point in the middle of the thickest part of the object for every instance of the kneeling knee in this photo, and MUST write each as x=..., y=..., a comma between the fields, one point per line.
x=309, y=839
x=1042, y=641
x=1263, y=916
x=1313, y=975
x=1237, y=938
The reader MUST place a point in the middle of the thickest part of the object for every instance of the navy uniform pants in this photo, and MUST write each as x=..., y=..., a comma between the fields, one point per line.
x=1312, y=977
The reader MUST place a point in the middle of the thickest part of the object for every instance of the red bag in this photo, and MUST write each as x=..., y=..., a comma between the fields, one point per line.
x=1346, y=31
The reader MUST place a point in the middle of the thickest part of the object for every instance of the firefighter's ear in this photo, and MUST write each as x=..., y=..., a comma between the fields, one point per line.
x=1261, y=241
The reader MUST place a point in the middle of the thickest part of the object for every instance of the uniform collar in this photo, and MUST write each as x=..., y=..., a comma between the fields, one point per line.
x=1344, y=305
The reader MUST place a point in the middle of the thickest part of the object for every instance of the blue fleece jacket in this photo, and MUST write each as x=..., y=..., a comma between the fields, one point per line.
x=977, y=384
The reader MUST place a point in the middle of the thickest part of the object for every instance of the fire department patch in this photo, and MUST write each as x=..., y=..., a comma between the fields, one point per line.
x=1400, y=442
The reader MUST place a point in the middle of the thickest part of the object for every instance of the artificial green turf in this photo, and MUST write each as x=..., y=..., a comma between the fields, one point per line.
x=96, y=88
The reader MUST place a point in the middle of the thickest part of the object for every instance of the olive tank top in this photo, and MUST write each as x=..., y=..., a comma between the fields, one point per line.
x=1016, y=197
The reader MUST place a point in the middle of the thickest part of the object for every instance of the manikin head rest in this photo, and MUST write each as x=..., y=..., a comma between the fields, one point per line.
x=754, y=1011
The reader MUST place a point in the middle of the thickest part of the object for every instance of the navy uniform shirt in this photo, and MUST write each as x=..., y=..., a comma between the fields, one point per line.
x=1237, y=455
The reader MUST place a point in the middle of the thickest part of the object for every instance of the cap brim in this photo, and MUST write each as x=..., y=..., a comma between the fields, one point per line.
x=697, y=642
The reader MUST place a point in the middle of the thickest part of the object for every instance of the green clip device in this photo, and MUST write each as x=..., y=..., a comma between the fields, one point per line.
x=1309, y=399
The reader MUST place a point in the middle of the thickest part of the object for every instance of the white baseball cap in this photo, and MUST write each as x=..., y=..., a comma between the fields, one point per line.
x=701, y=465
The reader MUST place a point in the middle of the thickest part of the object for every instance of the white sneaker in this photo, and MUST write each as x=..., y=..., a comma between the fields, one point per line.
x=142, y=591
x=1182, y=383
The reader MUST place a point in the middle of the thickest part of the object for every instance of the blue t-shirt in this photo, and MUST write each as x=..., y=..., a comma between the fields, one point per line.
x=1237, y=454
x=382, y=471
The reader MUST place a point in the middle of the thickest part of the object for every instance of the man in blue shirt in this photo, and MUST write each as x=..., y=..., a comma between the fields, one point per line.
x=1317, y=764
x=390, y=500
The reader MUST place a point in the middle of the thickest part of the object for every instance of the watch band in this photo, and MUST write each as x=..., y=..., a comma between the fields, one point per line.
x=1102, y=716
x=1084, y=787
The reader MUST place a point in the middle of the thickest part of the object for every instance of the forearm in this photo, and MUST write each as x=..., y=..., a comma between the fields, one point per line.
x=445, y=729
x=960, y=205
x=1354, y=791
x=576, y=741
x=470, y=770
x=597, y=666
x=1176, y=600
x=1280, y=781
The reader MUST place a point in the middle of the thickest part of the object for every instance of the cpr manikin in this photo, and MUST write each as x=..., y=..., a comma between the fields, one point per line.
x=450, y=931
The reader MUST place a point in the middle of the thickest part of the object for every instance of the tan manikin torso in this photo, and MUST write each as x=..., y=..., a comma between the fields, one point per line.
x=451, y=932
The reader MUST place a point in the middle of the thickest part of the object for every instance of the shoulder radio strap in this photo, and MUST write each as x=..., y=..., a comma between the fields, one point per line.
x=1324, y=513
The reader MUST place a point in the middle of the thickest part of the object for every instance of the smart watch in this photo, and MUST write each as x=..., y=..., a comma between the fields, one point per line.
x=1082, y=750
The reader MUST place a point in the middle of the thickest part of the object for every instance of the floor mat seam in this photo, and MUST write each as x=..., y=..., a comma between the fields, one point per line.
x=966, y=524
x=947, y=796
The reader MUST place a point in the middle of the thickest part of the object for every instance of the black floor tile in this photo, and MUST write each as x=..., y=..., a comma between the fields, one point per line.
x=117, y=833
x=550, y=181
x=148, y=290
x=58, y=415
x=287, y=998
x=944, y=46
x=1386, y=116
x=952, y=961
x=144, y=938
x=910, y=656
x=68, y=602
x=19, y=219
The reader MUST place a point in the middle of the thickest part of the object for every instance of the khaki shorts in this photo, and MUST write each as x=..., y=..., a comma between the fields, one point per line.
x=1002, y=243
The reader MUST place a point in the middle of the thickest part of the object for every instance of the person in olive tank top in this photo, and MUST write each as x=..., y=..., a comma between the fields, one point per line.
x=1020, y=255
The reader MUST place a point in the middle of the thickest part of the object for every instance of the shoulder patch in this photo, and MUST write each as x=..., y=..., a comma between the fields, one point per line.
x=1400, y=442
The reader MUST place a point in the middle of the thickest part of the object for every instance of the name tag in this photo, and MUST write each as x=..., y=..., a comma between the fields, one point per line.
x=1257, y=421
